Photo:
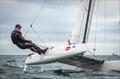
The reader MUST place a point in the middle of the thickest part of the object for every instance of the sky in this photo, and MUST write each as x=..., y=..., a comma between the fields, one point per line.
x=55, y=23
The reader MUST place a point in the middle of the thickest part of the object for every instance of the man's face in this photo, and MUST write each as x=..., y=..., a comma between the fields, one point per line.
x=18, y=29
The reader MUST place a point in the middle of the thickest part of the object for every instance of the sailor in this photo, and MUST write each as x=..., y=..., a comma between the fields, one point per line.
x=21, y=42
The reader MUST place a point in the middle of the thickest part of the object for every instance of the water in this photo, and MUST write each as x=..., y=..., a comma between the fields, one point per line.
x=11, y=67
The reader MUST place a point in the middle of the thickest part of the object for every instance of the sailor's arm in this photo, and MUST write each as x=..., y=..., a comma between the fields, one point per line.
x=22, y=38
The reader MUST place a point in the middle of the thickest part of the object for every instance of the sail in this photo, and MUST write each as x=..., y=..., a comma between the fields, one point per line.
x=88, y=20
x=82, y=26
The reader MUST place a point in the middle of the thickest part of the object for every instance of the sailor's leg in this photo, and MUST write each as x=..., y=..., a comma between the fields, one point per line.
x=21, y=45
x=34, y=50
x=39, y=49
x=36, y=47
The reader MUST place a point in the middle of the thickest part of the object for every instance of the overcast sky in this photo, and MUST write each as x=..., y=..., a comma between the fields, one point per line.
x=55, y=23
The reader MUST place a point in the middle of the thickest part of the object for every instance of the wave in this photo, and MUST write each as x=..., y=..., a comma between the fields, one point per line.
x=13, y=65
x=40, y=78
x=65, y=72
x=2, y=71
x=117, y=71
x=11, y=60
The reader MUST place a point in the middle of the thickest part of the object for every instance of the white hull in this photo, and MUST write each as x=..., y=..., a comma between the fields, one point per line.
x=57, y=53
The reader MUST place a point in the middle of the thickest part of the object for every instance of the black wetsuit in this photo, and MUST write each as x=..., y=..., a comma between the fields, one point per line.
x=22, y=43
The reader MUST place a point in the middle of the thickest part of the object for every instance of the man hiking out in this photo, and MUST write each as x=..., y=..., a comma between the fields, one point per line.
x=21, y=42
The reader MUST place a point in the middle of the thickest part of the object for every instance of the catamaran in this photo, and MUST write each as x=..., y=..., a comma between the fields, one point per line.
x=73, y=54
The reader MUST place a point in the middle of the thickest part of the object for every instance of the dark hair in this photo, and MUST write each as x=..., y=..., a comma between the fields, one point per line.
x=18, y=26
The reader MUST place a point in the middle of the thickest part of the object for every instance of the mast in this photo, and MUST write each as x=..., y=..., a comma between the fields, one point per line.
x=88, y=20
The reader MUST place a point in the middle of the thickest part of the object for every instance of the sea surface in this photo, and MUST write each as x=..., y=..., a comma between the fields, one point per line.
x=11, y=67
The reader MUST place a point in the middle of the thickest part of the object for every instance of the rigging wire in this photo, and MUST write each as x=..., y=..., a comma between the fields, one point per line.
x=30, y=27
x=90, y=52
x=93, y=54
x=60, y=14
x=59, y=17
x=119, y=23
x=35, y=17
x=39, y=37
x=27, y=31
x=38, y=12
x=96, y=26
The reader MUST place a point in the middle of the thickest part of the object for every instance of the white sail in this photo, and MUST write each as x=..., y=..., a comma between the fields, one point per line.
x=79, y=25
x=59, y=53
x=82, y=26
